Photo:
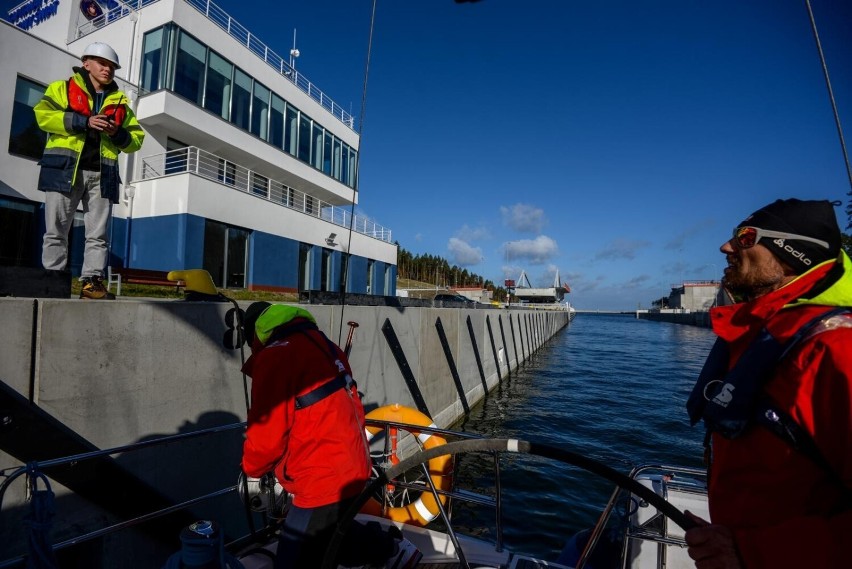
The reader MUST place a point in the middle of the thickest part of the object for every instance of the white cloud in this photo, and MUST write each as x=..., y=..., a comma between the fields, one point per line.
x=523, y=217
x=463, y=254
x=534, y=251
x=467, y=233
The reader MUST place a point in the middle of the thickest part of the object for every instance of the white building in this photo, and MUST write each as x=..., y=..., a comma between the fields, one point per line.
x=248, y=170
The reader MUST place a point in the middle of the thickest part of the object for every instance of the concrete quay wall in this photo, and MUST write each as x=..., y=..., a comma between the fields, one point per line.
x=79, y=376
x=676, y=317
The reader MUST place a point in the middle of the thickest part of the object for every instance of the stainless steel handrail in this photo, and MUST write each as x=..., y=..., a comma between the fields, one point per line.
x=660, y=537
x=194, y=160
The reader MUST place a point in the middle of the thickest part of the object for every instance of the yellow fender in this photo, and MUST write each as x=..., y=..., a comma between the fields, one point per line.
x=425, y=509
x=197, y=280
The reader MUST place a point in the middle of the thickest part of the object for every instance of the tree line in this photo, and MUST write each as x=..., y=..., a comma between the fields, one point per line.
x=436, y=270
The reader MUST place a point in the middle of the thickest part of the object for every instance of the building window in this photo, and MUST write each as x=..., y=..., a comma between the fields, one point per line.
x=19, y=243
x=260, y=111
x=225, y=254
x=326, y=153
x=276, y=121
x=25, y=137
x=227, y=172
x=217, y=91
x=177, y=157
x=326, y=277
x=370, y=267
x=305, y=138
x=317, y=146
x=152, y=58
x=344, y=165
x=335, y=161
x=189, y=68
x=352, y=180
x=291, y=130
x=259, y=185
x=241, y=100
x=304, y=266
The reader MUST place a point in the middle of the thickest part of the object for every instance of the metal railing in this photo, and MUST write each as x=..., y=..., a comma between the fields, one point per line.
x=12, y=474
x=34, y=469
x=194, y=160
x=241, y=34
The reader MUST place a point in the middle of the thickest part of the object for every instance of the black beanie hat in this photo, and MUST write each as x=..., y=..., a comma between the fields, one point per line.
x=810, y=218
x=253, y=312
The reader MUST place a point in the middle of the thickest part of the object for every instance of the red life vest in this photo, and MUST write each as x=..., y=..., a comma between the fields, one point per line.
x=78, y=101
x=78, y=98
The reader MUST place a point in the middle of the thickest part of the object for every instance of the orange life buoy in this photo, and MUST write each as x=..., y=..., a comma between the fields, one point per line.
x=425, y=509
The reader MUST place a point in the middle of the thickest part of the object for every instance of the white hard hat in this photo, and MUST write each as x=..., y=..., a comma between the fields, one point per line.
x=101, y=50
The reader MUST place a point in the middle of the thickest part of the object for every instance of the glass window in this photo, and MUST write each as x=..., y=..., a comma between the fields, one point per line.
x=260, y=185
x=260, y=111
x=225, y=254
x=227, y=172
x=237, y=256
x=217, y=90
x=370, y=265
x=276, y=121
x=25, y=137
x=344, y=164
x=176, y=156
x=152, y=57
x=19, y=245
x=241, y=100
x=317, y=146
x=214, y=250
x=189, y=68
x=335, y=162
x=325, y=277
x=305, y=138
x=304, y=266
x=326, y=153
x=353, y=169
x=291, y=130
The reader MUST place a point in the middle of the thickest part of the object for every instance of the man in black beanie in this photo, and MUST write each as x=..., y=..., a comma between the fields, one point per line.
x=776, y=396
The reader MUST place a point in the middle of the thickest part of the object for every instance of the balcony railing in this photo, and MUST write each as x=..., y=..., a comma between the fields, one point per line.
x=207, y=165
x=240, y=33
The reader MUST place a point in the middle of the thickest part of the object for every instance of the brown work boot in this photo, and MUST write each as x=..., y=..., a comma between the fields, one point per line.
x=93, y=288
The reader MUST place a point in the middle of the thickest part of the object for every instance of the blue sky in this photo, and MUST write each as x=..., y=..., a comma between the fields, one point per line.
x=617, y=141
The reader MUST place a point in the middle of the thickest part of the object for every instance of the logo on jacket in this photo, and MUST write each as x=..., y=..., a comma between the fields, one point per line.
x=725, y=395
x=797, y=254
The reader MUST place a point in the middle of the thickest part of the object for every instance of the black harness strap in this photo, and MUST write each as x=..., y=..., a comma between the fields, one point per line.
x=340, y=381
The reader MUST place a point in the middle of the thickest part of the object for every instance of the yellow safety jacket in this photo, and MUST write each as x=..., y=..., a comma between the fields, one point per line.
x=67, y=125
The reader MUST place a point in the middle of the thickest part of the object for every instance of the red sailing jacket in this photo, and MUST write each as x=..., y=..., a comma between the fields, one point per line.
x=784, y=509
x=318, y=453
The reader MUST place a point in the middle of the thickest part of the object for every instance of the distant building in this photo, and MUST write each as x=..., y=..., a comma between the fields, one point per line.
x=695, y=296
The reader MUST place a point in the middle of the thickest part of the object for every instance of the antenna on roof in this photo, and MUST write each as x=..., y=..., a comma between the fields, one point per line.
x=294, y=53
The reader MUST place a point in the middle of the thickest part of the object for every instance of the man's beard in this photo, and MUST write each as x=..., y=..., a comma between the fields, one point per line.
x=754, y=283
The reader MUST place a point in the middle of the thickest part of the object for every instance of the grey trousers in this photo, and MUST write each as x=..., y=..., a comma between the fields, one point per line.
x=59, y=209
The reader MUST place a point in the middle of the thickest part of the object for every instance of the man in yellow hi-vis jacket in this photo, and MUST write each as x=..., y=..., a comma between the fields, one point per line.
x=89, y=122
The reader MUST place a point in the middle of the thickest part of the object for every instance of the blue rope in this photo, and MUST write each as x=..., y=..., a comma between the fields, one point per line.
x=38, y=521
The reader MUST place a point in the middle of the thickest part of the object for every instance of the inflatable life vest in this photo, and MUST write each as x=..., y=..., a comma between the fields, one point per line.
x=425, y=509
x=78, y=101
x=713, y=400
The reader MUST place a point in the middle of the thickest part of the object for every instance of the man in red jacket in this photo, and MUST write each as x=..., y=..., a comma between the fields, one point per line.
x=306, y=424
x=776, y=396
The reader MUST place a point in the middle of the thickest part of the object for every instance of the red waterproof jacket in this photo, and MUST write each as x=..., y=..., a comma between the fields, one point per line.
x=784, y=509
x=319, y=453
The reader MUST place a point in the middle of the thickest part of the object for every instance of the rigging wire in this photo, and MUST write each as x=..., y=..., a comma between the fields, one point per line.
x=347, y=255
x=834, y=109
